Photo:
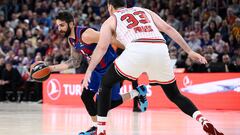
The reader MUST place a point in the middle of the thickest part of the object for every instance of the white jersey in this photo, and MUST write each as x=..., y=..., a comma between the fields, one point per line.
x=135, y=24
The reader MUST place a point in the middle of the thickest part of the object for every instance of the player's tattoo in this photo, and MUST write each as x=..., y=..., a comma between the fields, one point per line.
x=75, y=59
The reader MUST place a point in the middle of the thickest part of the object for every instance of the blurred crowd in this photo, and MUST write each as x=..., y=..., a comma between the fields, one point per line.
x=28, y=33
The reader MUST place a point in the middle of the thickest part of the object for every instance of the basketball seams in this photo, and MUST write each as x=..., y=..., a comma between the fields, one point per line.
x=44, y=72
x=34, y=65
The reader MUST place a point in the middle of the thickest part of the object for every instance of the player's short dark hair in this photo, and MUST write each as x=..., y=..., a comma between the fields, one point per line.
x=117, y=3
x=65, y=16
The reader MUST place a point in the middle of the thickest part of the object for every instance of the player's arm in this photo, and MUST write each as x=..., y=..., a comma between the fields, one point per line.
x=73, y=62
x=90, y=36
x=105, y=38
x=171, y=32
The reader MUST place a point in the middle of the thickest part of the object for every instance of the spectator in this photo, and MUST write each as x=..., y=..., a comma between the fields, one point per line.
x=230, y=16
x=198, y=29
x=212, y=54
x=235, y=6
x=228, y=65
x=235, y=36
x=194, y=42
x=211, y=28
x=11, y=80
x=205, y=41
x=237, y=65
x=181, y=60
x=2, y=18
x=174, y=22
x=214, y=17
x=15, y=21
x=41, y=48
x=19, y=35
x=224, y=30
x=97, y=23
x=2, y=90
x=218, y=43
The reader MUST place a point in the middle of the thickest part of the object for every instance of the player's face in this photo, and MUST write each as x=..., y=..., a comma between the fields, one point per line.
x=63, y=28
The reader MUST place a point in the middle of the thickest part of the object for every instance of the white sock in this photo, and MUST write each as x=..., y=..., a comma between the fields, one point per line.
x=133, y=93
x=95, y=124
x=199, y=117
x=101, y=125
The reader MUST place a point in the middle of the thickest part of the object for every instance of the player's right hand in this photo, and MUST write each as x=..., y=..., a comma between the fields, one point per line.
x=86, y=80
x=197, y=57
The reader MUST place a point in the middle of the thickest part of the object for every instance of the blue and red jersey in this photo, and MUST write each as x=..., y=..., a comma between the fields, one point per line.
x=87, y=49
x=107, y=60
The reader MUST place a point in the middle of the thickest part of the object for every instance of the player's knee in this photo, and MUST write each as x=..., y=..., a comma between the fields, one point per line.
x=174, y=96
x=177, y=98
x=87, y=95
x=115, y=103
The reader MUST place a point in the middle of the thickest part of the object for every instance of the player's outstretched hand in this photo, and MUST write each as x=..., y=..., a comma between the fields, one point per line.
x=86, y=80
x=197, y=57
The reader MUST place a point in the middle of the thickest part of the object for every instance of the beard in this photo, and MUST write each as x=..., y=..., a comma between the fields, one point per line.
x=66, y=33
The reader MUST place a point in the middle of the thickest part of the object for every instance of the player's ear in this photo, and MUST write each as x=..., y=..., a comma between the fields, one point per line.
x=110, y=9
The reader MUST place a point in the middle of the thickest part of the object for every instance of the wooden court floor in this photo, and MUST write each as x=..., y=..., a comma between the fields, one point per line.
x=38, y=119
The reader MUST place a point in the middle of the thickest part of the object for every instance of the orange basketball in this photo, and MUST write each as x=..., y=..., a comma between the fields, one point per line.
x=39, y=71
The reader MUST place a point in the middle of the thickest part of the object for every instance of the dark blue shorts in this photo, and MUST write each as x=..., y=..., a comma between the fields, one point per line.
x=96, y=82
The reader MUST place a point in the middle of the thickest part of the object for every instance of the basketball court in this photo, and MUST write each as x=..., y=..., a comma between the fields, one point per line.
x=43, y=119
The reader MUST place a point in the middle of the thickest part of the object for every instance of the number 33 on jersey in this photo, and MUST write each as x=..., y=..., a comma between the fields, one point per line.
x=135, y=24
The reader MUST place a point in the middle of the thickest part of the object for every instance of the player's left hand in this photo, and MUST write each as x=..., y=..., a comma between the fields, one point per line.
x=86, y=80
x=197, y=57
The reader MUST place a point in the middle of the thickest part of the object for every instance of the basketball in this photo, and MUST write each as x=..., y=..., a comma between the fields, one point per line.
x=39, y=71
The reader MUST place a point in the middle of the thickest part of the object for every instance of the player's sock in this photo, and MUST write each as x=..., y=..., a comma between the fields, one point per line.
x=199, y=117
x=101, y=125
x=207, y=126
x=133, y=93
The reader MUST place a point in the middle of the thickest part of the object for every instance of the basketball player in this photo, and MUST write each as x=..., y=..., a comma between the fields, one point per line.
x=82, y=41
x=145, y=51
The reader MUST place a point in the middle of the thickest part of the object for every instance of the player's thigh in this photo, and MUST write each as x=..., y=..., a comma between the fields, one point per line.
x=130, y=64
x=160, y=69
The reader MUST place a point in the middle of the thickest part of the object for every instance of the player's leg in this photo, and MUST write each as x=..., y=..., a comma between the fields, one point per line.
x=172, y=92
x=110, y=78
x=136, y=99
x=89, y=102
x=104, y=97
x=161, y=73
x=91, y=107
x=127, y=66
x=117, y=98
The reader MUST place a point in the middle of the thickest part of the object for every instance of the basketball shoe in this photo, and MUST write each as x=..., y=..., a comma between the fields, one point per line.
x=142, y=89
x=210, y=129
x=91, y=131
x=102, y=133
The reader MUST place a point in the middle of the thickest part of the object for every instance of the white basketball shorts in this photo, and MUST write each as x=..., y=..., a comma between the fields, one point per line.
x=151, y=58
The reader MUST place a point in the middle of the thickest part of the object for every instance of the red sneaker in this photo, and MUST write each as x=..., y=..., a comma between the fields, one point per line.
x=210, y=129
x=102, y=133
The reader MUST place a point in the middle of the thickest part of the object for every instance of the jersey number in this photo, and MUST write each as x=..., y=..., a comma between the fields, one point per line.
x=133, y=21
